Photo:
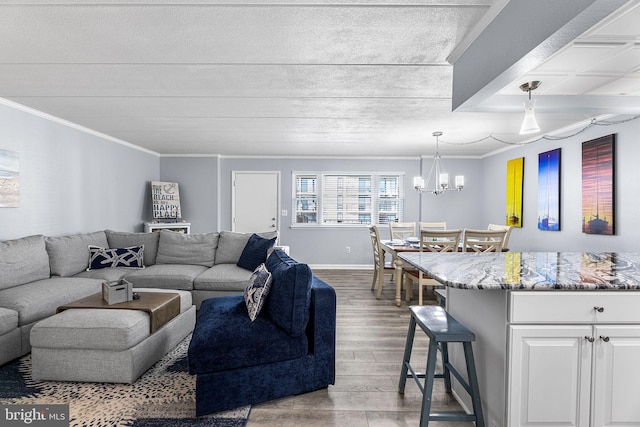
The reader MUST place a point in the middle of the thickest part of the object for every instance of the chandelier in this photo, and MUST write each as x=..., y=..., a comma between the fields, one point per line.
x=441, y=176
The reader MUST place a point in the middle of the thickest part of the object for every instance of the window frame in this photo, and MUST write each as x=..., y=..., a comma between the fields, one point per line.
x=376, y=199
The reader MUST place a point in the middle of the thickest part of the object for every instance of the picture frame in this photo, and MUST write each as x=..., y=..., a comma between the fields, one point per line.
x=515, y=178
x=598, y=186
x=549, y=190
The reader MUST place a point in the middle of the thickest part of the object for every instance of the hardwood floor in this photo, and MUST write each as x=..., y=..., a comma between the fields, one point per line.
x=369, y=348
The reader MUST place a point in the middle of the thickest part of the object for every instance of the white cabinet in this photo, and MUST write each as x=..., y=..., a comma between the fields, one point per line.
x=583, y=370
x=550, y=377
x=616, y=379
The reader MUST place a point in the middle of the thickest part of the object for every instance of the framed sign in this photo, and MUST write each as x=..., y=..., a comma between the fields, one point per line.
x=166, y=200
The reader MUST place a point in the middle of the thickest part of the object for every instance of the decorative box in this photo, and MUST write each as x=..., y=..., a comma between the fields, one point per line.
x=117, y=291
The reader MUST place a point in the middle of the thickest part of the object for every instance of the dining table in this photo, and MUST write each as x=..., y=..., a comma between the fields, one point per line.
x=395, y=247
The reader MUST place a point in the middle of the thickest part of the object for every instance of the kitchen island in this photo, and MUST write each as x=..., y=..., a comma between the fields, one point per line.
x=557, y=334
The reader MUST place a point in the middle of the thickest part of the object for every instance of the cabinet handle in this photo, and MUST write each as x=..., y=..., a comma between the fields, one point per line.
x=598, y=309
x=590, y=339
x=605, y=339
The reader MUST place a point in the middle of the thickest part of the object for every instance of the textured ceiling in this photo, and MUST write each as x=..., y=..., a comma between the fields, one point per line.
x=301, y=78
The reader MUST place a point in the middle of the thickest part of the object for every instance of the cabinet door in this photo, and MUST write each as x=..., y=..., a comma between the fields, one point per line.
x=616, y=383
x=549, y=376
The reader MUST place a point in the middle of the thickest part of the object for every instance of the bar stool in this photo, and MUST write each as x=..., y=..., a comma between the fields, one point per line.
x=442, y=329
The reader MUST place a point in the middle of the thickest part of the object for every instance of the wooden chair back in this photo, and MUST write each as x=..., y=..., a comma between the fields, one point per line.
x=402, y=230
x=433, y=225
x=494, y=227
x=483, y=240
x=440, y=240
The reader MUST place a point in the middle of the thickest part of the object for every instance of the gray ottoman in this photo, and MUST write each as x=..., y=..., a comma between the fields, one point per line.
x=112, y=346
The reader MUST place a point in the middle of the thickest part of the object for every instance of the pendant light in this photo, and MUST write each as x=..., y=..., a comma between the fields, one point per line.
x=529, y=124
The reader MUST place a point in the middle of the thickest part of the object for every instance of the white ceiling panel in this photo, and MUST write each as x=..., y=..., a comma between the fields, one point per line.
x=621, y=62
x=287, y=77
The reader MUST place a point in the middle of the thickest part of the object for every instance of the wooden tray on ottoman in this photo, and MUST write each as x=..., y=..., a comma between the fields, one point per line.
x=161, y=306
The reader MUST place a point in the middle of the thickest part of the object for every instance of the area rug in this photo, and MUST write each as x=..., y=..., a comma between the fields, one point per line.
x=163, y=396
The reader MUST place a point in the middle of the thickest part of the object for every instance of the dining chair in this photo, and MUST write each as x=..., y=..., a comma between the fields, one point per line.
x=432, y=225
x=483, y=240
x=433, y=241
x=506, y=236
x=402, y=230
x=380, y=266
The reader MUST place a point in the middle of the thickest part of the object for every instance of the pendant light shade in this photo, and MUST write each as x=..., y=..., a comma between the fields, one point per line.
x=529, y=124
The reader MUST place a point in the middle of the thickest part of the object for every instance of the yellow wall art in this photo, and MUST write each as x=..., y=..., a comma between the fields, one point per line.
x=515, y=173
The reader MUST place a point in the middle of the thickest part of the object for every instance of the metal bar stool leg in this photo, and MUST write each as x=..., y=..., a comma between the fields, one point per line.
x=407, y=355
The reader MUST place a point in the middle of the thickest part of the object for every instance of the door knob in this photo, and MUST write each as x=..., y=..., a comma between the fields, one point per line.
x=598, y=309
x=605, y=339
x=590, y=339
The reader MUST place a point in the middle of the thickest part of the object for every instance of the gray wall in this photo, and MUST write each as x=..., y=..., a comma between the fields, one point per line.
x=205, y=192
x=198, y=182
x=318, y=245
x=570, y=238
x=72, y=181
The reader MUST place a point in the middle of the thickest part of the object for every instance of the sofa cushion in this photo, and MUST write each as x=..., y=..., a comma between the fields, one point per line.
x=105, y=274
x=90, y=329
x=22, y=261
x=8, y=320
x=255, y=252
x=37, y=300
x=225, y=338
x=166, y=276
x=231, y=245
x=179, y=248
x=290, y=294
x=131, y=257
x=119, y=239
x=69, y=255
x=257, y=290
x=226, y=277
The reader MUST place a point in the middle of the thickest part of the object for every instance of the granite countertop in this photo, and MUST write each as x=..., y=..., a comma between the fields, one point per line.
x=531, y=270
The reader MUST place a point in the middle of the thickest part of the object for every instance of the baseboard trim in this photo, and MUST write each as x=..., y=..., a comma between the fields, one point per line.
x=341, y=266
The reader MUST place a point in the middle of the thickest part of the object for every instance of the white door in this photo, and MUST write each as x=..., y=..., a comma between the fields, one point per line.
x=255, y=200
x=616, y=385
x=550, y=376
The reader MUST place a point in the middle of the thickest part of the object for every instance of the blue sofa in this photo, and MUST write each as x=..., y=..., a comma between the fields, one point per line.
x=288, y=349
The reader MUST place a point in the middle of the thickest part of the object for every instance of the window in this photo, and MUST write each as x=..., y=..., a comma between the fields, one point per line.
x=347, y=199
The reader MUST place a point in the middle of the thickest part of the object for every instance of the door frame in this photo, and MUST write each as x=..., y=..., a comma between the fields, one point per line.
x=233, y=195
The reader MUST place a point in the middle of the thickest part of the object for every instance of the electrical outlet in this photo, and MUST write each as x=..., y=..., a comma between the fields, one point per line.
x=285, y=212
x=348, y=249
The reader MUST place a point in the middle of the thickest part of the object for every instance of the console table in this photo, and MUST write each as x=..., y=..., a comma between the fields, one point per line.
x=180, y=227
x=557, y=334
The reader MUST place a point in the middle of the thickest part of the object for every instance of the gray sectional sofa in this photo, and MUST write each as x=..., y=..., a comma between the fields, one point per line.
x=39, y=274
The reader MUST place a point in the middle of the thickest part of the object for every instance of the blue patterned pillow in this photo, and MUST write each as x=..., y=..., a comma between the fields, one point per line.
x=255, y=252
x=115, y=257
x=257, y=290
